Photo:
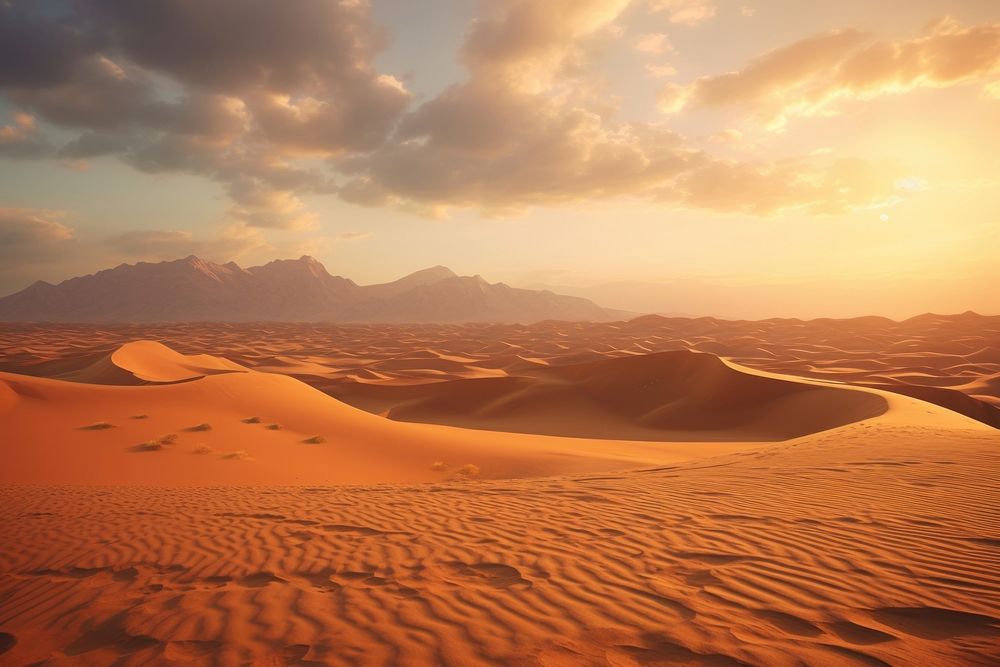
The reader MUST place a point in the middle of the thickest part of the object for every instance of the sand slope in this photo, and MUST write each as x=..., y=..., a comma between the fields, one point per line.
x=679, y=395
x=865, y=545
x=229, y=425
x=873, y=542
x=951, y=360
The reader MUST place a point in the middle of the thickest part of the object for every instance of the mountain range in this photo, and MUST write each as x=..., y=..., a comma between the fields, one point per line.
x=192, y=289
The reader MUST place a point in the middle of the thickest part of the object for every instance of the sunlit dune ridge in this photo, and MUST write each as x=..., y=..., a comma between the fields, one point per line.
x=221, y=512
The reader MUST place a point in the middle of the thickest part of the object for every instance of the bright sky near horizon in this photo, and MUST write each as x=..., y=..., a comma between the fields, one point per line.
x=757, y=147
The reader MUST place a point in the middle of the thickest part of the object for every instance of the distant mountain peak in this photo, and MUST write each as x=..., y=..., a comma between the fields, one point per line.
x=304, y=264
x=194, y=289
x=432, y=273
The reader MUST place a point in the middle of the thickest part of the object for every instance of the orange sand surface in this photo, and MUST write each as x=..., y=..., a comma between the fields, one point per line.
x=658, y=491
x=951, y=360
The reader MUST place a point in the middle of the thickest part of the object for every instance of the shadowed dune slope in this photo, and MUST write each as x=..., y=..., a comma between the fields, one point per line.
x=950, y=354
x=260, y=428
x=243, y=520
x=679, y=395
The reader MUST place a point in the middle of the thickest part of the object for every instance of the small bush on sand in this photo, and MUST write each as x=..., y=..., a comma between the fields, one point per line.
x=439, y=465
x=168, y=439
x=274, y=427
x=150, y=446
x=468, y=471
x=238, y=455
x=97, y=426
x=251, y=420
x=315, y=440
x=201, y=449
x=139, y=417
x=199, y=427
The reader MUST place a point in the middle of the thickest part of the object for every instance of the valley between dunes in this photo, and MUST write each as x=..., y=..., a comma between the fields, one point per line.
x=591, y=498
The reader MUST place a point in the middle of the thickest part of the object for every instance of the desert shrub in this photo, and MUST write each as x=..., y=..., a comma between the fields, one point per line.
x=468, y=471
x=97, y=426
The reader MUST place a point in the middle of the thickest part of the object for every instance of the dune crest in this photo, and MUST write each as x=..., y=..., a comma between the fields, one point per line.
x=658, y=408
x=677, y=395
x=155, y=362
x=866, y=536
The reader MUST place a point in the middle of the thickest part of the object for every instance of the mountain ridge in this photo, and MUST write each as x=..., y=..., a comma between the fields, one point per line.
x=194, y=289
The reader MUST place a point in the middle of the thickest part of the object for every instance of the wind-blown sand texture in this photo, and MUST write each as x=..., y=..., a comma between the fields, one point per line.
x=789, y=521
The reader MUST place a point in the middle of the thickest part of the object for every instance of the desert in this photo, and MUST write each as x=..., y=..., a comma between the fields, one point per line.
x=489, y=333
x=500, y=494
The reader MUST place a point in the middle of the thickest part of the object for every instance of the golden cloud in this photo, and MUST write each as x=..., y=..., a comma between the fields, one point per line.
x=809, y=76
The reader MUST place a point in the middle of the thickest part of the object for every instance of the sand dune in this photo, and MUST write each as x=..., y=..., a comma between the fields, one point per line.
x=866, y=545
x=285, y=432
x=678, y=395
x=958, y=352
x=225, y=515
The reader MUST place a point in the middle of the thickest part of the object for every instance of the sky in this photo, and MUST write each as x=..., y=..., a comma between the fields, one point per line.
x=748, y=158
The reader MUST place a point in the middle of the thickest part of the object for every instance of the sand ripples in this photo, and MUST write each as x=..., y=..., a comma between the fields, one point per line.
x=831, y=553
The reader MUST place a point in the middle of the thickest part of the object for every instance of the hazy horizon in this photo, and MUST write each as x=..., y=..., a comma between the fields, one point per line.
x=724, y=297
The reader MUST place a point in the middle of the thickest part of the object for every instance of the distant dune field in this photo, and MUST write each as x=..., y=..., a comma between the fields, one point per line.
x=657, y=491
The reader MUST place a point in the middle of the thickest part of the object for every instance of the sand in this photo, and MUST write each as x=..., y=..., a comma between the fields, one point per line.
x=952, y=361
x=158, y=508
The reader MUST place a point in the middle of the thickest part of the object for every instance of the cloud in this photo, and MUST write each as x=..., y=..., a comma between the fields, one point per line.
x=353, y=236
x=671, y=98
x=502, y=141
x=809, y=76
x=156, y=244
x=260, y=205
x=226, y=89
x=31, y=234
x=655, y=43
x=511, y=136
x=660, y=71
x=812, y=185
x=277, y=101
x=21, y=138
x=685, y=12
